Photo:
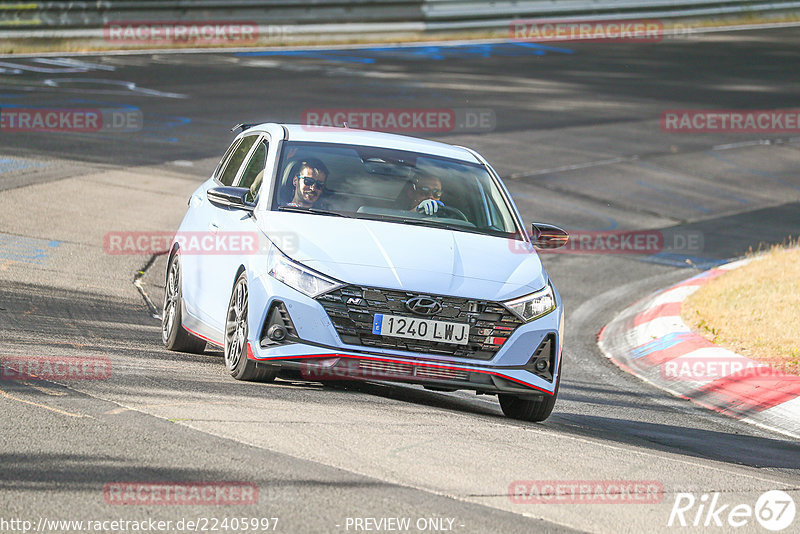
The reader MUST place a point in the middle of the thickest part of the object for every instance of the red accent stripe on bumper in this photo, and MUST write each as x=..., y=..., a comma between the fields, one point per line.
x=389, y=360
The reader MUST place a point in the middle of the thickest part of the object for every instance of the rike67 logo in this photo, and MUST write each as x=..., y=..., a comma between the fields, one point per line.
x=774, y=510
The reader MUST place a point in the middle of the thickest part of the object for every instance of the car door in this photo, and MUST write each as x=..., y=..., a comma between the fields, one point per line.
x=195, y=224
x=208, y=256
x=236, y=232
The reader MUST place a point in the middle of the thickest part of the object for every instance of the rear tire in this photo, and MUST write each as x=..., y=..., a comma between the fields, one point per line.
x=173, y=334
x=236, y=330
x=533, y=410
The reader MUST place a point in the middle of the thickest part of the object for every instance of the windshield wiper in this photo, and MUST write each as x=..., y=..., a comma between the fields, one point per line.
x=315, y=211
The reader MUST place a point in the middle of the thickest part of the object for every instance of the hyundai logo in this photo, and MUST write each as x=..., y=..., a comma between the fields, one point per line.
x=423, y=305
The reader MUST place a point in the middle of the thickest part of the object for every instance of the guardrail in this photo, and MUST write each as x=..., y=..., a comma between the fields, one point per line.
x=475, y=14
x=71, y=14
x=345, y=18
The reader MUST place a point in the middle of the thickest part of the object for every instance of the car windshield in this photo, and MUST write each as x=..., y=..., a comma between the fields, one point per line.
x=392, y=185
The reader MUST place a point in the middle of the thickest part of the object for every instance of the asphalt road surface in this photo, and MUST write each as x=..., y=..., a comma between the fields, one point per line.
x=575, y=131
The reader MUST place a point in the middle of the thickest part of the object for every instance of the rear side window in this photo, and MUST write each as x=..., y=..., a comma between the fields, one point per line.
x=236, y=159
x=254, y=172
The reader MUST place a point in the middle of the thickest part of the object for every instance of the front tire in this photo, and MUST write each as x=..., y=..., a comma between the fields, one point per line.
x=236, y=330
x=173, y=334
x=533, y=410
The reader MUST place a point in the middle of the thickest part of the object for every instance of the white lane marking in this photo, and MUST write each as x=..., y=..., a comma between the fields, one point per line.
x=742, y=144
x=41, y=70
x=68, y=62
x=612, y=161
x=66, y=84
x=121, y=409
x=780, y=415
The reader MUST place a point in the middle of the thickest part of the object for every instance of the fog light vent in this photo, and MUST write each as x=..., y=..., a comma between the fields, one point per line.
x=543, y=359
x=278, y=328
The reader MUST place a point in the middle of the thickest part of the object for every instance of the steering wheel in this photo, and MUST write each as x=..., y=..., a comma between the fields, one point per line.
x=451, y=213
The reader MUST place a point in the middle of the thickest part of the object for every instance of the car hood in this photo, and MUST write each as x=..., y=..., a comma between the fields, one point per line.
x=406, y=257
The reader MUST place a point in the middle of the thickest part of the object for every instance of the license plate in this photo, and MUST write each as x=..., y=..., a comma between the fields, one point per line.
x=421, y=329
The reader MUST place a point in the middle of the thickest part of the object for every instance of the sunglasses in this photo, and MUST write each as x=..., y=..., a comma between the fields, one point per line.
x=309, y=182
x=435, y=193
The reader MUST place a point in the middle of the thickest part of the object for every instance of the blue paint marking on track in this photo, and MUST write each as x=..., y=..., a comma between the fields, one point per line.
x=159, y=127
x=426, y=52
x=662, y=343
x=15, y=164
x=329, y=55
x=26, y=249
x=679, y=260
x=546, y=48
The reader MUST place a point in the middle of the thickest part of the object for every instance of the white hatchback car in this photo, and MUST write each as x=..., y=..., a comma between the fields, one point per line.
x=371, y=257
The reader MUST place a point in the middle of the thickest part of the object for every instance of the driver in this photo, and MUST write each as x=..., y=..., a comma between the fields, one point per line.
x=309, y=183
x=424, y=195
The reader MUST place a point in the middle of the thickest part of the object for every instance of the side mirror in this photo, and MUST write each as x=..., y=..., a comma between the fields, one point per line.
x=230, y=197
x=547, y=236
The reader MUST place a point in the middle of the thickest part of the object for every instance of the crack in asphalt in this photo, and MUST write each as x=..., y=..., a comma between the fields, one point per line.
x=137, y=282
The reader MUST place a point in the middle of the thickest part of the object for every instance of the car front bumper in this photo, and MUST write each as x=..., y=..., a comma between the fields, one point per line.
x=315, y=349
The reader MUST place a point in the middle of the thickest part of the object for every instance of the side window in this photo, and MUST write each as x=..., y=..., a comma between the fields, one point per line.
x=232, y=167
x=253, y=174
x=225, y=157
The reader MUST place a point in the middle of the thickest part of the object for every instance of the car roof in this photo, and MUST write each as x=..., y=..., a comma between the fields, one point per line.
x=351, y=136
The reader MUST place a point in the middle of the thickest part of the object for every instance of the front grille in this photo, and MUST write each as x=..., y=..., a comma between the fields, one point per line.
x=353, y=308
x=442, y=374
x=385, y=368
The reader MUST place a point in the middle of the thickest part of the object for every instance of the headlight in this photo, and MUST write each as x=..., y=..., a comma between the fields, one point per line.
x=297, y=276
x=533, y=306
